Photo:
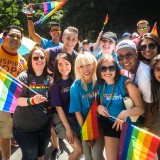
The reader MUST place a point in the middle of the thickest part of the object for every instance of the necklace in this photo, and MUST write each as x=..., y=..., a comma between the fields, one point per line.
x=111, y=96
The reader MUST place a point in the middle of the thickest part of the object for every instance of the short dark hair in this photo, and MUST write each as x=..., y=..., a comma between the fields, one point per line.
x=6, y=31
x=55, y=23
x=100, y=62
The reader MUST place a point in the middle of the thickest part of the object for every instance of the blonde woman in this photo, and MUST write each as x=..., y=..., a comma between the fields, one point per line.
x=82, y=95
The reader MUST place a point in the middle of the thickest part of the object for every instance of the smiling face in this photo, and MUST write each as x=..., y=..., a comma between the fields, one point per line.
x=127, y=58
x=64, y=67
x=70, y=40
x=157, y=71
x=107, y=46
x=148, y=48
x=12, y=41
x=38, y=62
x=55, y=33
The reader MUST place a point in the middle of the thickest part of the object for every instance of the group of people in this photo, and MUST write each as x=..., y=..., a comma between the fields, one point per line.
x=67, y=82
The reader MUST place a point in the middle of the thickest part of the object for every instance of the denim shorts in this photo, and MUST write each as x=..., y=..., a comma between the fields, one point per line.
x=33, y=144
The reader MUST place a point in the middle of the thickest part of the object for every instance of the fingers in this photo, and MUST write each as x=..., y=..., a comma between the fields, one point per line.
x=118, y=125
x=39, y=99
x=103, y=111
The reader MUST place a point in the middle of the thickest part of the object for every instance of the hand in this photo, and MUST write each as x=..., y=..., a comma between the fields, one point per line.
x=30, y=5
x=39, y=99
x=69, y=136
x=120, y=119
x=103, y=111
x=90, y=142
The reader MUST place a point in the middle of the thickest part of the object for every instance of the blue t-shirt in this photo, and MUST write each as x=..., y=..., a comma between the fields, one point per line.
x=45, y=43
x=54, y=52
x=80, y=99
x=99, y=55
x=116, y=104
x=60, y=96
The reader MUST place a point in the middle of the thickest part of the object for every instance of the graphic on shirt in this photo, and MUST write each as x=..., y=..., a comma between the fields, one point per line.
x=65, y=90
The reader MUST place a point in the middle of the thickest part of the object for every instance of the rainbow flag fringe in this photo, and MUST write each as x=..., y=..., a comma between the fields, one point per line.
x=90, y=129
x=47, y=6
x=10, y=89
x=137, y=144
x=154, y=30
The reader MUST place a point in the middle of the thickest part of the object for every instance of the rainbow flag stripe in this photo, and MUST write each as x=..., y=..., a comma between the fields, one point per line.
x=10, y=89
x=154, y=30
x=90, y=129
x=106, y=20
x=137, y=144
x=57, y=6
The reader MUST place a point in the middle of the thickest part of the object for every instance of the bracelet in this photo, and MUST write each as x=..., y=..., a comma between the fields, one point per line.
x=29, y=16
x=30, y=101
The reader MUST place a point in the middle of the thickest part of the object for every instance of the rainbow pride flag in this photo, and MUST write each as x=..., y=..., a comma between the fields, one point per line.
x=154, y=30
x=90, y=129
x=106, y=20
x=55, y=5
x=10, y=89
x=137, y=144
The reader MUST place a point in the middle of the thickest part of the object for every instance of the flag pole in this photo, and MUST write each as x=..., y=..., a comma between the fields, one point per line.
x=20, y=81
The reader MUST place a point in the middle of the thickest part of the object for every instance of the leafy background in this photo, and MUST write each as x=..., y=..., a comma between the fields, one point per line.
x=87, y=15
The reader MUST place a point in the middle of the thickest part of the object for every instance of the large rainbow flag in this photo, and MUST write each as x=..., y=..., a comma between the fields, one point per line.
x=52, y=7
x=10, y=89
x=137, y=144
x=90, y=129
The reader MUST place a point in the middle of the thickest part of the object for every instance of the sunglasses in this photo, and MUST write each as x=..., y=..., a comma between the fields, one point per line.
x=55, y=30
x=37, y=58
x=150, y=46
x=143, y=28
x=110, y=68
x=127, y=56
x=157, y=69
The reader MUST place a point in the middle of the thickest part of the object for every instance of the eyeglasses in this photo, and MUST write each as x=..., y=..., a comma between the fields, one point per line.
x=55, y=30
x=107, y=40
x=127, y=56
x=150, y=46
x=143, y=28
x=13, y=36
x=37, y=58
x=110, y=68
x=157, y=69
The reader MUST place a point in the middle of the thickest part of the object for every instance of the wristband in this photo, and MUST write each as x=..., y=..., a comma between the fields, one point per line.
x=29, y=16
x=30, y=101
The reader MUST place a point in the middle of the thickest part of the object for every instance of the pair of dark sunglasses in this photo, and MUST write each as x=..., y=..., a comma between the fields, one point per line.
x=37, y=58
x=105, y=68
x=150, y=46
x=127, y=56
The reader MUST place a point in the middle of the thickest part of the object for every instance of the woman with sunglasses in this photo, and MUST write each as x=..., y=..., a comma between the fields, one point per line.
x=155, y=88
x=31, y=127
x=112, y=87
x=148, y=47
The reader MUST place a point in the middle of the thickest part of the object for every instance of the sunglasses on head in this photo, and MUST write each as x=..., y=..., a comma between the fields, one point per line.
x=105, y=68
x=143, y=28
x=157, y=69
x=37, y=58
x=127, y=56
x=150, y=46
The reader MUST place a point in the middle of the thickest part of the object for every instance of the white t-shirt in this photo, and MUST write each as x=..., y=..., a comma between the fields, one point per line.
x=142, y=80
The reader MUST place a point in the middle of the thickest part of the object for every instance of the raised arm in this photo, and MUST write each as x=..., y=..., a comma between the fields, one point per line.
x=97, y=41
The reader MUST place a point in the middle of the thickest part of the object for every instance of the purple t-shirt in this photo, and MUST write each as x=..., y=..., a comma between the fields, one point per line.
x=60, y=96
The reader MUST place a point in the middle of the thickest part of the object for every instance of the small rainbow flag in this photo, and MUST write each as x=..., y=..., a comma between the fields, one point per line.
x=10, y=89
x=137, y=144
x=106, y=20
x=56, y=6
x=154, y=30
x=90, y=129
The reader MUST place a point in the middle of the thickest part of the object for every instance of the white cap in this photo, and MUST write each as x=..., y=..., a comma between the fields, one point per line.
x=126, y=44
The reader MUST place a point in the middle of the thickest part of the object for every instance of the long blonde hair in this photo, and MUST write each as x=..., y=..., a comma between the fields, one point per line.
x=85, y=58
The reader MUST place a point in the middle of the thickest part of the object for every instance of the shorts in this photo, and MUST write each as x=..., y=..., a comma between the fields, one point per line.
x=33, y=144
x=108, y=130
x=61, y=130
x=6, y=128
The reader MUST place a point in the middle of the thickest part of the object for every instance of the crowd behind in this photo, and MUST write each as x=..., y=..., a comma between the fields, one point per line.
x=68, y=78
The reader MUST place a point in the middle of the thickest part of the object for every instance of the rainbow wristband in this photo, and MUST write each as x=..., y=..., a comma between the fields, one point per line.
x=30, y=101
x=29, y=16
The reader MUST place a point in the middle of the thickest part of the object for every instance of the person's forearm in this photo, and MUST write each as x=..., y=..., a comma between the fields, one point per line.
x=79, y=118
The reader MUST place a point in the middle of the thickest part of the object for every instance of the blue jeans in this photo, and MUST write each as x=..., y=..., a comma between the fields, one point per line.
x=33, y=144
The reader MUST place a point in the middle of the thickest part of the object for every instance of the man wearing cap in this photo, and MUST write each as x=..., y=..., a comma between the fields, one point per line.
x=55, y=33
x=107, y=46
x=127, y=36
x=138, y=72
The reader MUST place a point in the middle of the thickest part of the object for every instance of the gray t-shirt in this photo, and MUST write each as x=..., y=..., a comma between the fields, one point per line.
x=34, y=117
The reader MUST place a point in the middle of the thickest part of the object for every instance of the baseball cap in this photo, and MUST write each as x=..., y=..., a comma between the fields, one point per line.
x=109, y=35
x=125, y=44
x=126, y=34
